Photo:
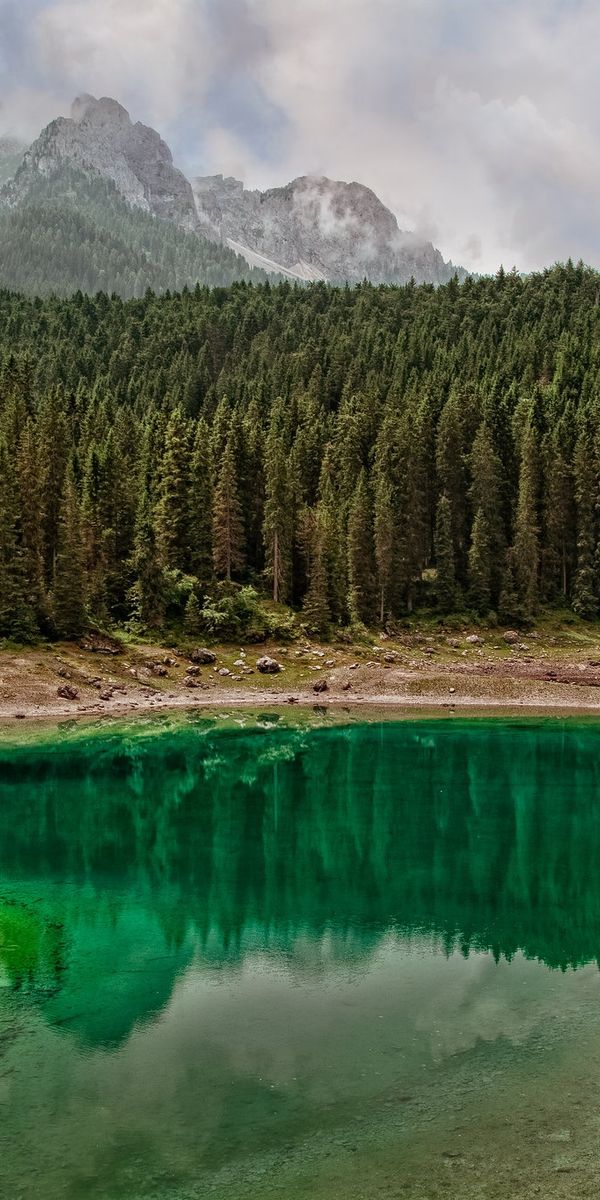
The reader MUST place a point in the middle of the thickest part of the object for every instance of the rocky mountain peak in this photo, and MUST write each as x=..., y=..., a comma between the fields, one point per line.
x=99, y=137
x=318, y=228
x=99, y=112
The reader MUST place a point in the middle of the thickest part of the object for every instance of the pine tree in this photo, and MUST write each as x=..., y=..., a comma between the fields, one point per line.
x=526, y=554
x=480, y=564
x=384, y=527
x=172, y=513
x=450, y=462
x=444, y=556
x=69, y=583
x=278, y=519
x=200, y=505
x=585, y=600
x=29, y=474
x=149, y=590
x=228, y=524
x=487, y=497
x=316, y=601
x=17, y=612
x=192, y=620
x=361, y=566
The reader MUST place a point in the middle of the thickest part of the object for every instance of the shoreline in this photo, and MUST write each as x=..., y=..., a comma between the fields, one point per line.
x=426, y=676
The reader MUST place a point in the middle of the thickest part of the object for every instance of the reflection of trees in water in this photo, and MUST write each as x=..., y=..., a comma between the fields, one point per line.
x=31, y=949
x=487, y=836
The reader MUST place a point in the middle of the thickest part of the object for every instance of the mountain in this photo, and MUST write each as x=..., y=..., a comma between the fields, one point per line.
x=99, y=138
x=317, y=228
x=97, y=203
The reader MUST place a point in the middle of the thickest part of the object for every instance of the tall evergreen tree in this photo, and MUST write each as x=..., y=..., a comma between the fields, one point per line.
x=384, y=527
x=526, y=555
x=585, y=598
x=173, y=508
x=361, y=566
x=149, y=590
x=444, y=556
x=69, y=589
x=228, y=525
x=481, y=564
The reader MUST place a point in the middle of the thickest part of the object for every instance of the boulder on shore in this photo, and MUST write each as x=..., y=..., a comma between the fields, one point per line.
x=268, y=666
x=67, y=692
x=202, y=655
x=511, y=636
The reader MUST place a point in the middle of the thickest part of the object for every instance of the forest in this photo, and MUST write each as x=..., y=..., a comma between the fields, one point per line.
x=234, y=460
x=76, y=233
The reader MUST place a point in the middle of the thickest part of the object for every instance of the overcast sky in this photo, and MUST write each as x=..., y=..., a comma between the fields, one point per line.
x=476, y=121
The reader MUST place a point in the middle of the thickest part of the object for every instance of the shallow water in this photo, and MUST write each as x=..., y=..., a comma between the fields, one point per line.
x=355, y=961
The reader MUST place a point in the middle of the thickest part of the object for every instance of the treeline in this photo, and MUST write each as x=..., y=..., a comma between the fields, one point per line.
x=354, y=453
x=72, y=233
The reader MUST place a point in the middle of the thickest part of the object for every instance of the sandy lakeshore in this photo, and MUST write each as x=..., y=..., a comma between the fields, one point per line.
x=467, y=671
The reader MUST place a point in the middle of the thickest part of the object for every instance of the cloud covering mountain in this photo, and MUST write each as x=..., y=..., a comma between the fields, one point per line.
x=478, y=124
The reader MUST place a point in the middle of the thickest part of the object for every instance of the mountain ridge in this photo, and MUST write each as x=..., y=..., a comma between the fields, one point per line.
x=310, y=229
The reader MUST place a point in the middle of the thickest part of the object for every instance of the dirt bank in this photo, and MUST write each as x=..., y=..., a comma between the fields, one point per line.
x=548, y=670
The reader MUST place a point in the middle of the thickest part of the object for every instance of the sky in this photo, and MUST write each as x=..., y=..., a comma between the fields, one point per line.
x=476, y=121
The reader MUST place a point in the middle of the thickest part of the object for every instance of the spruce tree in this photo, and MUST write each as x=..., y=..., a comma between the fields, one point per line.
x=361, y=565
x=228, y=524
x=526, y=556
x=384, y=527
x=316, y=601
x=192, y=619
x=585, y=600
x=149, y=590
x=69, y=586
x=17, y=605
x=480, y=564
x=278, y=519
x=172, y=513
x=200, y=505
x=444, y=557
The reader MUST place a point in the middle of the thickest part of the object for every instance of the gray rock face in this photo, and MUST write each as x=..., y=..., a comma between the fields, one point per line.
x=99, y=137
x=316, y=228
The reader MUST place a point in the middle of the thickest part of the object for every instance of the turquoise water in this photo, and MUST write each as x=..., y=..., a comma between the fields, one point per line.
x=357, y=961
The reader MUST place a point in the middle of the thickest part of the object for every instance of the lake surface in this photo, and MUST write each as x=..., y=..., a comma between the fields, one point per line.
x=347, y=961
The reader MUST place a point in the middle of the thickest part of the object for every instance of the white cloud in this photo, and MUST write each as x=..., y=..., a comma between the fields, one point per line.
x=478, y=123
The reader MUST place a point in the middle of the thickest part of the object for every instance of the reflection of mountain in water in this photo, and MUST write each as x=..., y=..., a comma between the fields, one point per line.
x=485, y=835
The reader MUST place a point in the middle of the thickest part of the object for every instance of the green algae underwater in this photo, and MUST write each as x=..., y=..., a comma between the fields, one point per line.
x=354, y=960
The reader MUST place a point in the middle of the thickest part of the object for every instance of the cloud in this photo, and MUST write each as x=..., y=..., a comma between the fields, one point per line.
x=478, y=123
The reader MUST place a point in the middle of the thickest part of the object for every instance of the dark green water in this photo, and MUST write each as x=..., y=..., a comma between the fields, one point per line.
x=340, y=962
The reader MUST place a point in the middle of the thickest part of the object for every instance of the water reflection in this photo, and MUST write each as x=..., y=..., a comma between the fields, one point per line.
x=307, y=844
x=229, y=959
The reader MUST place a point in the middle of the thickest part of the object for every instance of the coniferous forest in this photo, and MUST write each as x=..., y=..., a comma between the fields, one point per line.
x=356, y=454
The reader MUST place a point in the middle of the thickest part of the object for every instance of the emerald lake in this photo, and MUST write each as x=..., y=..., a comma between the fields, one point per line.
x=300, y=960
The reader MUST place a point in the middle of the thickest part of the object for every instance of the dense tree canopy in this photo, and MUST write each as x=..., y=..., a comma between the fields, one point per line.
x=74, y=233
x=356, y=453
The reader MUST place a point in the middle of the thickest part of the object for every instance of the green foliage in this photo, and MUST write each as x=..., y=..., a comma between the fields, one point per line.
x=70, y=586
x=76, y=233
x=348, y=451
x=444, y=556
x=239, y=613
